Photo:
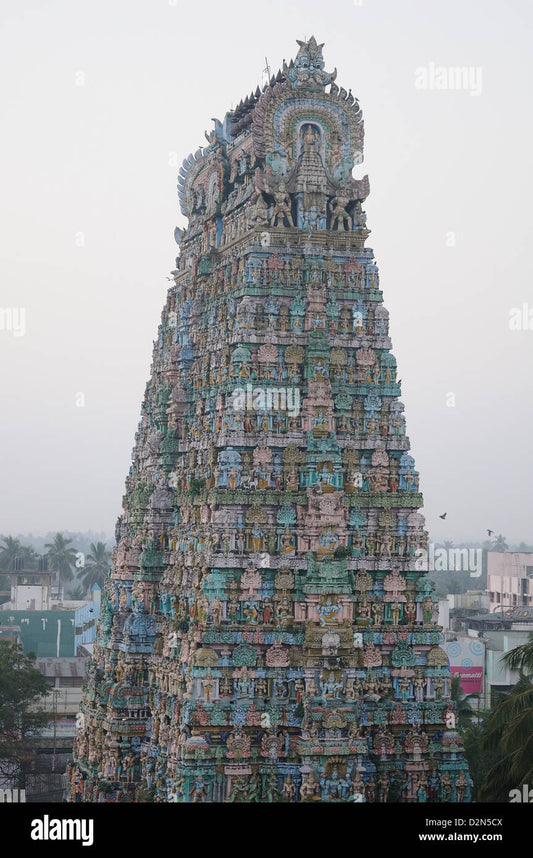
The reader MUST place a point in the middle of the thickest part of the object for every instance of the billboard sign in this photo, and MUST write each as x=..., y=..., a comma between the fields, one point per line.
x=466, y=657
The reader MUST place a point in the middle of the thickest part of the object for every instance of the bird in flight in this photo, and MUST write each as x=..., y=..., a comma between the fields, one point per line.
x=444, y=515
x=490, y=532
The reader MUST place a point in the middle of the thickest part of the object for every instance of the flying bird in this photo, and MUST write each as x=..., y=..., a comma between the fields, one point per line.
x=443, y=516
x=490, y=532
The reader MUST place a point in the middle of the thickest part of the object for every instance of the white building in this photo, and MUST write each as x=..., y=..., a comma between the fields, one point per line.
x=510, y=579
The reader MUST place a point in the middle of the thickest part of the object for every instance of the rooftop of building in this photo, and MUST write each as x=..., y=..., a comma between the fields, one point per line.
x=63, y=666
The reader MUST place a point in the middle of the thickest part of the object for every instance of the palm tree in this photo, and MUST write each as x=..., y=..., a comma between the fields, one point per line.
x=97, y=565
x=11, y=549
x=467, y=715
x=500, y=544
x=509, y=734
x=480, y=759
x=470, y=726
x=509, y=730
x=61, y=557
x=77, y=593
x=521, y=657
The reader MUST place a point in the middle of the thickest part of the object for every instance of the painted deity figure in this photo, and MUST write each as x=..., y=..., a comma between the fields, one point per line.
x=340, y=218
x=282, y=207
x=310, y=787
x=244, y=686
x=250, y=611
x=256, y=535
x=289, y=788
x=330, y=686
x=327, y=612
x=334, y=787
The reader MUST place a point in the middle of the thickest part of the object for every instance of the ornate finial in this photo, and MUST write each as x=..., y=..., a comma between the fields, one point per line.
x=308, y=69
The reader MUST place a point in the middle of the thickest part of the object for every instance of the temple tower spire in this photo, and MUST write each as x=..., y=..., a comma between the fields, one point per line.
x=266, y=631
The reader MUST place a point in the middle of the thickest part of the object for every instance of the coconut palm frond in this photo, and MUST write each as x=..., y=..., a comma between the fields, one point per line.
x=521, y=657
x=498, y=782
x=519, y=732
x=521, y=767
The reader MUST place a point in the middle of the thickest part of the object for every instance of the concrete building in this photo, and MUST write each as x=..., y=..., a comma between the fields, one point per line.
x=478, y=642
x=31, y=590
x=65, y=677
x=60, y=632
x=473, y=601
x=509, y=579
x=49, y=626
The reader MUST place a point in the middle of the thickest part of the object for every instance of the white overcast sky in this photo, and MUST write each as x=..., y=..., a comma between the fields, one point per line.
x=99, y=100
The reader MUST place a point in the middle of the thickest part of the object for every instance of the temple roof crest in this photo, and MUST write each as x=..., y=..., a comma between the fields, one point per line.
x=307, y=72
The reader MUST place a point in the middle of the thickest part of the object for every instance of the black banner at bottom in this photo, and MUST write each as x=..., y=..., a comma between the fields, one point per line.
x=150, y=828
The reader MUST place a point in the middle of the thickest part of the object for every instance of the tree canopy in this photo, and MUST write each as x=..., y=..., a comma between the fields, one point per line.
x=22, y=688
x=97, y=565
x=508, y=731
x=12, y=548
x=61, y=557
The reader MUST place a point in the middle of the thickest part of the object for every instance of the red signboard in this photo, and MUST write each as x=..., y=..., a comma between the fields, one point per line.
x=471, y=678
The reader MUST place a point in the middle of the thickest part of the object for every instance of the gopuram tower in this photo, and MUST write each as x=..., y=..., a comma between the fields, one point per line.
x=267, y=633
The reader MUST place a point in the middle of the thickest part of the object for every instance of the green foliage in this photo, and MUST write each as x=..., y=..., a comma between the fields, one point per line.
x=196, y=485
x=500, y=544
x=13, y=548
x=77, y=593
x=97, y=565
x=342, y=551
x=507, y=737
x=467, y=715
x=22, y=688
x=480, y=759
x=521, y=657
x=299, y=712
x=471, y=726
x=61, y=557
x=147, y=795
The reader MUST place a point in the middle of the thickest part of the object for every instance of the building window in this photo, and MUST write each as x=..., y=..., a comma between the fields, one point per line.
x=71, y=681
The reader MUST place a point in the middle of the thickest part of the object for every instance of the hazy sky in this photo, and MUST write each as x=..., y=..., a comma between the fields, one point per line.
x=100, y=102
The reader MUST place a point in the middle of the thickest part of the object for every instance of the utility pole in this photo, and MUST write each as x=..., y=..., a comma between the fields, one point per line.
x=266, y=73
x=56, y=693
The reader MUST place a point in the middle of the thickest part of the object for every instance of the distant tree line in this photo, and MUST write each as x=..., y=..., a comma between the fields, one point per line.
x=460, y=580
x=76, y=570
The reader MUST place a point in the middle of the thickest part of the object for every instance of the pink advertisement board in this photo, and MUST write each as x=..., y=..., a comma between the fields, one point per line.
x=471, y=678
x=466, y=657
